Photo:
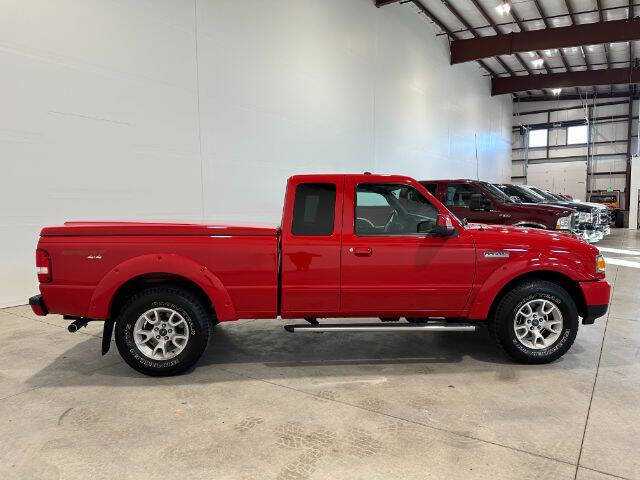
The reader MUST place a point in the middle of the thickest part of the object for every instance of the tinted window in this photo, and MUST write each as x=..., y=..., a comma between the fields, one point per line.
x=520, y=193
x=391, y=209
x=314, y=209
x=498, y=194
x=431, y=187
x=459, y=194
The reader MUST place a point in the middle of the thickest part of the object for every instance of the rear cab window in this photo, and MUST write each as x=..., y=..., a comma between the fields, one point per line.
x=314, y=209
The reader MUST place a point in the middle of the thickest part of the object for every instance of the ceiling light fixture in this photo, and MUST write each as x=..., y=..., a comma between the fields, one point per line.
x=504, y=7
x=537, y=63
x=556, y=91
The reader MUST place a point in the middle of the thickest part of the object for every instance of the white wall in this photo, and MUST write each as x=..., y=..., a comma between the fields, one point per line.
x=183, y=110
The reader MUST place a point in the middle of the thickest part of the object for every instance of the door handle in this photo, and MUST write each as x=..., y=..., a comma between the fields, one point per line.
x=361, y=251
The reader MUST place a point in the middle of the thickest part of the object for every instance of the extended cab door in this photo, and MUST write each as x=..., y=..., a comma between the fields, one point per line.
x=310, y=246
x=388, y=268
x=457, y=198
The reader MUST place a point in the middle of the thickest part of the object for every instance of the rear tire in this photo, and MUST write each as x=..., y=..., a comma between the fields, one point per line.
x=525, y=333
x=619, y=219
x=162, y=331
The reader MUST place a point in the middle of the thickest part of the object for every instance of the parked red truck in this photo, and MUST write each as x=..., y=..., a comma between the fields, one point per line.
x=348, y=246
x=482, y=202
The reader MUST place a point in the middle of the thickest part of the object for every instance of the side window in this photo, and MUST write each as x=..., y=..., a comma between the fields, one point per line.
x=459, y=194
x=431, y=187
x=314, y=209
x=391, y=209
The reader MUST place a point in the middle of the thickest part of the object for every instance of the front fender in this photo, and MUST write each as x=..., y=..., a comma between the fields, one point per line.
x=161, y=263
x=486, y=291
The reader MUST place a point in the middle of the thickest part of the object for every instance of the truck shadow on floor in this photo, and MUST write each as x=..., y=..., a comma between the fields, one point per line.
x=263, y=351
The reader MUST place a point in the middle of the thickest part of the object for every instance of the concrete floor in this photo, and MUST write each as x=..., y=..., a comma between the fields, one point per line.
x=265, y=404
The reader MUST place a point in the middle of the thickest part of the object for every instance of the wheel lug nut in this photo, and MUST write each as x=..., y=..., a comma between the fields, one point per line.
x=156, y=329
x=170, y=331
x=166, y=338
x=158, y=337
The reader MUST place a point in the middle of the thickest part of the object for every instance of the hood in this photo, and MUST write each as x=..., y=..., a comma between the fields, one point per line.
x=89, y=228
x=530, y=238
x=579, y=206
x=543, y=208
x=594, y=205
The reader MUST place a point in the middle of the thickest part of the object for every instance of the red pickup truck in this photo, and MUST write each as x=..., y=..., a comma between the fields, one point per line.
x=348, y=246
x=483, y=202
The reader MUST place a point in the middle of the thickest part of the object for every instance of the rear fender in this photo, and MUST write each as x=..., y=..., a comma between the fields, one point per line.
x=161, y=263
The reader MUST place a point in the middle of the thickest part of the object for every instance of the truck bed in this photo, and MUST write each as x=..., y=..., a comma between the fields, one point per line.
x=89, y=259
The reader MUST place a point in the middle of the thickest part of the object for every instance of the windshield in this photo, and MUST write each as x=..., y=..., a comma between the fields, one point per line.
x=531, y=193
x=522, y=194
x=496, y=192
x=542, y=193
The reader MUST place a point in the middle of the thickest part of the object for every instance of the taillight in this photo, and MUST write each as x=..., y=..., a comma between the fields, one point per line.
x=43, y=266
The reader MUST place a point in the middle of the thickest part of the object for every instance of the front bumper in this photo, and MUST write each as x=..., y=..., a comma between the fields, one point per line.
x=593, y=312
x=596, y=295
x=37, y=305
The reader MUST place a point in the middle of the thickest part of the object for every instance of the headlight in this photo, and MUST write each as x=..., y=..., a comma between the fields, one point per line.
x=600, y=264
x=585, y=217
x=564, y=223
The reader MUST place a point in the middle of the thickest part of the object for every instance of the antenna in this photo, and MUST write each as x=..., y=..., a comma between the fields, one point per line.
x=475, y=137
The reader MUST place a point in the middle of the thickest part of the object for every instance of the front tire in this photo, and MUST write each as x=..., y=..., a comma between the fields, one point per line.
x=162, y=331
x=535, y=323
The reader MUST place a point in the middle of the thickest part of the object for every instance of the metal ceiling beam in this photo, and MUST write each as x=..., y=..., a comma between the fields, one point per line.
x=496, y=29
x=445, y=29
x=562, y=109
x=547, y=98
x=599, y=7
x=465, y=50
x=610, y=76
x=542, y=13
x=382, y=3
x=572, y=16
x=520, y=24
x=549, y=17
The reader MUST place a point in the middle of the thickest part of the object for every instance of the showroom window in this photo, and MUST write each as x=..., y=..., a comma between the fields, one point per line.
x=459, y=195
x=538, y=138
x=577, y=134
x=314, y=209
x=391, y=209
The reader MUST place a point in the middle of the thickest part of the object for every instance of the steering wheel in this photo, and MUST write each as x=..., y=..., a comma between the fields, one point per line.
x=391, y=221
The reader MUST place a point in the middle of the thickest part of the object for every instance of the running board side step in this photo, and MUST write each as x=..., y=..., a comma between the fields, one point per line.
x=384, y=327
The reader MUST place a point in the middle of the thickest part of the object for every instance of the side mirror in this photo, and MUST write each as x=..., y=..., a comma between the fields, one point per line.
x=443, y=228
x=478, y=203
